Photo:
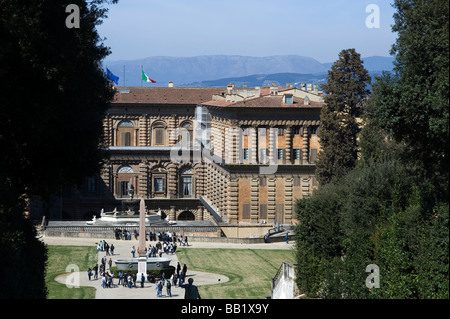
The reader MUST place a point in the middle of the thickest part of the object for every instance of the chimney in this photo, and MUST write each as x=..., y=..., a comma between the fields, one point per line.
x=230, y=87
x=171, y=84
x=244, y=85
x=257, y=91
x=288, y=84
x=309, y=87
x=303, y=86
x=316, y=88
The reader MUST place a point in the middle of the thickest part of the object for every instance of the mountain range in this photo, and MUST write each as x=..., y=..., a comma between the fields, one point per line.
x=219, y=70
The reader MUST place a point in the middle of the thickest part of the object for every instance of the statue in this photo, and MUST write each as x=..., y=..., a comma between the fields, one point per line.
x=131, y=188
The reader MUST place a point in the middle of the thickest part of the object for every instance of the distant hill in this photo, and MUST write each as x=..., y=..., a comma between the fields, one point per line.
x=263, y=80
x=213, y=70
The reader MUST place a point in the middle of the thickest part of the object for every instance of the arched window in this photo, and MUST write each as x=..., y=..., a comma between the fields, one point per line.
x=125, y=169
x=125, y=133
x=186, y=183
x=159, y=133
x=125, y=174
x=187, y=133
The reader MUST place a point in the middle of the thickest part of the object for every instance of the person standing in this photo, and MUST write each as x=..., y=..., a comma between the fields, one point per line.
x=96, y=271
x=89, y=273
x=133, y=251
x=178, y=269
x=184, y=269
x=287, y=238
x=190, y=290
x=169, y=287
x=142, y=280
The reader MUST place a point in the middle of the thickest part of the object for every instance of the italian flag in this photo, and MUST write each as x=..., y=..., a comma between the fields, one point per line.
x=146, y=78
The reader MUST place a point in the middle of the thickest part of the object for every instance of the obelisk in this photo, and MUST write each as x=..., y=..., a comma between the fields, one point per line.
x=142, y=260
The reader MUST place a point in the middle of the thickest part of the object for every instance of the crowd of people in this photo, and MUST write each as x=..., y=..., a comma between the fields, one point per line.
x=166, y=243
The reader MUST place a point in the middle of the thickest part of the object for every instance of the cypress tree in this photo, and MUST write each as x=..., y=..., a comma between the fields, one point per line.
x=345, y=93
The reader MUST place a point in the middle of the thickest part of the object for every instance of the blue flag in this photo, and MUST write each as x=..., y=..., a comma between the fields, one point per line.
x=112, y=77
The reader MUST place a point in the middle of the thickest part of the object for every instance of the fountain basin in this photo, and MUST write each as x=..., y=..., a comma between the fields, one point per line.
x=154, y=263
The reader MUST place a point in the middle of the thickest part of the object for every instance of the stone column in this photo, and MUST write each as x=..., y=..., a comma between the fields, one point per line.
x=305, y=149
x=288, y=149
x=254, y=145
x=233, y=205
x=271, y=194
x=254, y=199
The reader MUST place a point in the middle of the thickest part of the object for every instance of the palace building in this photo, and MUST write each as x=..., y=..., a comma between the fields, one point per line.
x=237, y=156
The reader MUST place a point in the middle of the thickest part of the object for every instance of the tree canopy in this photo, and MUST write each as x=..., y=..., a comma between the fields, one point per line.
x=345, y=94
x=54, y=97
x=392, y=209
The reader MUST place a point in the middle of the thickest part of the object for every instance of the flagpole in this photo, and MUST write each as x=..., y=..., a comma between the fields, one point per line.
x=124, y=75
x=142, y=70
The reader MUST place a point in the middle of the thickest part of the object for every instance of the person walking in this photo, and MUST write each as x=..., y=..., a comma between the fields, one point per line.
x=112, y=249
x=287, y=238
x=184, y=269
x=110, y=263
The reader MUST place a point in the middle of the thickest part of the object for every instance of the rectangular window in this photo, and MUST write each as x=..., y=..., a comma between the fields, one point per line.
x=279, y=212
x=313, y=130
x=245, y=153
x=246, y=211
x=186, y=186
x=296, y=130
x=159, y=136
x=280, y=131
x=297, y=154
x=296, y=181
x=263, y=211
x=288, y=99
x=280, y=153
x=123, y=189
x=158, y=184
x=126, y=139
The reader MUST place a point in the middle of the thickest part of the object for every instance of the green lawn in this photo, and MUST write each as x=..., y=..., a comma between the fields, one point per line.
x=250, y=270
x=59, y=257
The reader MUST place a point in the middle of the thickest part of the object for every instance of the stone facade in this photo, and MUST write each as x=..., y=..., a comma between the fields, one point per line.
x=250, y=151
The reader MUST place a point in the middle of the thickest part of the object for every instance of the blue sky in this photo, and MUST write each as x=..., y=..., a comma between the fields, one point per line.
x=316, y=28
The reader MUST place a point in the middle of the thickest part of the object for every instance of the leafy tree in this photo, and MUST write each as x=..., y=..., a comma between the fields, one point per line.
x=412, y=105
x=54, y=97
x=345, y=93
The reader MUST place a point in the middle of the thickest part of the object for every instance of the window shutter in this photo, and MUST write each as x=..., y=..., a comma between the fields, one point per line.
x=263, y=211
x=126, y=139
x=159, y=136
x=245, y=211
